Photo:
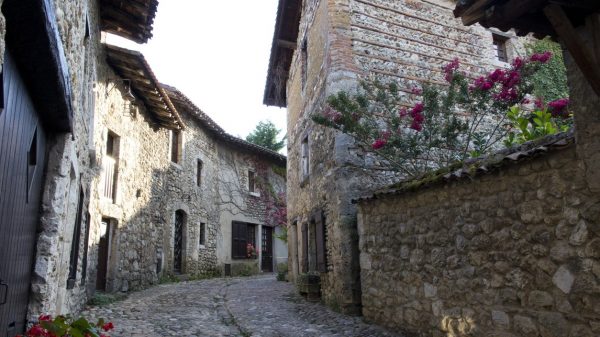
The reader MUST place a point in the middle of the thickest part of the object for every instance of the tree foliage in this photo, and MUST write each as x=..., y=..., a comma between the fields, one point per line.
x=265, y=134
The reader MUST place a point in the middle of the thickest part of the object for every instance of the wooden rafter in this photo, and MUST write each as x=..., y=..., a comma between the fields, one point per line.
x=582, y=54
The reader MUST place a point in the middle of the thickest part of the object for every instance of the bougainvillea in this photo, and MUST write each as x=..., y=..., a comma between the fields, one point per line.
x=66, y=326
x=465, y=117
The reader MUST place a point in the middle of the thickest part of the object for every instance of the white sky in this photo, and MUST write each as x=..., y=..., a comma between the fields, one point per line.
x=217, y=53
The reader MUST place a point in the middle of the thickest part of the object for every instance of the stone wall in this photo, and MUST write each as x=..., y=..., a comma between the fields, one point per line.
x=142, y=160
x=407, y=41
x=67, y=168
x=510, y=253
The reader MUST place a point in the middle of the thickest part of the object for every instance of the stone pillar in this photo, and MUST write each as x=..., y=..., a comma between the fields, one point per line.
x=585, y=104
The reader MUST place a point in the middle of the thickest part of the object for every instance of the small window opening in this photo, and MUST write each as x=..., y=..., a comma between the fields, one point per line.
x=251, y=181
x=176, y=143
x=75, y=243
x=32, y=155
x=304, y=65
x=202, y=240
x=111, y=165
x=199, y=173
x=305, y=160
x=500, y=49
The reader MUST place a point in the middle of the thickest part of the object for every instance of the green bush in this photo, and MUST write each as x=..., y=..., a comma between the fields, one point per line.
x=550, y=81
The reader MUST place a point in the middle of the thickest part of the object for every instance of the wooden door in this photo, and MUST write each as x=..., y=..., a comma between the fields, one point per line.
x=103, y=255
x=178, y=241
x=22, y=162
x=267, y=249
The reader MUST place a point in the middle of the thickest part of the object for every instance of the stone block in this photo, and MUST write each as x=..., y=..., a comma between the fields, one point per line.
x=500, y=319
x=579, y=234
x=563, y=279
x=540, y=299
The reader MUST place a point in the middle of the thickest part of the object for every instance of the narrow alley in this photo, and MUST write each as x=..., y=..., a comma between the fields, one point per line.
x=256, y=306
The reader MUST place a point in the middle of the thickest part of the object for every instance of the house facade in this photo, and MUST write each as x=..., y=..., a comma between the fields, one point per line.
x=322, y=47
x=105, y=185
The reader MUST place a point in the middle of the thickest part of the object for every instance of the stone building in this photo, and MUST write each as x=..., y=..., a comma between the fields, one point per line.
x=171, y=185
x=320, y=47
x=50, y=51
x=507, y=245
x=104, y=184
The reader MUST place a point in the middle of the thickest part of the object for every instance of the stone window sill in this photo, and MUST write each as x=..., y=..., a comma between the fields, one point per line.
x=176, y=165
x=255, y=194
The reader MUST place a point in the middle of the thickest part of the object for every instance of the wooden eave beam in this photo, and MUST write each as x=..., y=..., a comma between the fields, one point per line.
x=475, y=12
x=582, y=54
x=511, y=11
x=583, y=4
x=286, y=44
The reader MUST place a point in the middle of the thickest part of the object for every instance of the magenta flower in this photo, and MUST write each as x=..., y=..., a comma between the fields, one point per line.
x=497, y=75
x=518, y=63
x=378, y=144
x=558, y=107
x=511, y=79
x=539, y=103
x=416, y=126
x=541, y=57
x=450, y=68
x=403, y=112
x=417, y=91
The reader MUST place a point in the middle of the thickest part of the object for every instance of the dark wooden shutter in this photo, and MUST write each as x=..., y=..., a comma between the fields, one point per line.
x=75, y=242
x=239, y=233
x=305, y=247
x=320, y=232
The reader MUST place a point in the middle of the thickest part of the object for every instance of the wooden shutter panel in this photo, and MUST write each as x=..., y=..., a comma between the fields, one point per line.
x=305, y=247
x=320, y=238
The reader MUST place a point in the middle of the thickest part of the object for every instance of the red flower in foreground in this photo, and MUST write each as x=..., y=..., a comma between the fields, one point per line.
x=44, y=318
x=108, y=326
x=558, y=107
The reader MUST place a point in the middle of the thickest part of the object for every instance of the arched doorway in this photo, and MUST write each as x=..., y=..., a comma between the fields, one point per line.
x=179, y=241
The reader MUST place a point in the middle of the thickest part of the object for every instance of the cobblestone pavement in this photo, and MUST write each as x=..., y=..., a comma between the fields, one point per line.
x=256, y=306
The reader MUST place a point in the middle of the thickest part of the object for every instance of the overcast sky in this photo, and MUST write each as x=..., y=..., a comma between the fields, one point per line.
x=217, y=54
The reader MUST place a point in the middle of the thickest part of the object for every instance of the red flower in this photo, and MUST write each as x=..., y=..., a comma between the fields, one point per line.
x=511, y=79
x=539, y=103
x=417, y=109
x=541, y=57
x=416, y=126
x=403, y=112
x=417, y=91
x=518, y=63
x=378, y=144
x=558, y=107
x=108, y=326
x=497, y=76
x=450, y=68
x=43, y=318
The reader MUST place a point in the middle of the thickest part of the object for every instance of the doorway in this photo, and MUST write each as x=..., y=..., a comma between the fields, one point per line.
x=267, y=249
x=179, y=241
x=104, y=254
x=23, y=154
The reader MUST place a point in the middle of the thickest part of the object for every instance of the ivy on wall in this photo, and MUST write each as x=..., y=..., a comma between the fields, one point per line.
x=550, y=81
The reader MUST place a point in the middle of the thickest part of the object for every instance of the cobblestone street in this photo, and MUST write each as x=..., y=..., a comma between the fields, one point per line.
x=257, y=306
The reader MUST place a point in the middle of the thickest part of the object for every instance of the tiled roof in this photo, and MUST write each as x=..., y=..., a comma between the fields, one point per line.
x=131, y=19
x=479, y=166
x=131, y=65
x=185, y=105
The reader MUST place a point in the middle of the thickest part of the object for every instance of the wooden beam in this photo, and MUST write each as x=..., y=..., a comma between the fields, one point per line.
x=475, y=12
x=593, y=23
x=286, y=44
x=585, y=4
x=512, y=11
x=583, y=56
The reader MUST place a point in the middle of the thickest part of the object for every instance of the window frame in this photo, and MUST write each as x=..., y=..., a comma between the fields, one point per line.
x=304, y=160
x=202, y=236
x=176, y=147
x=500, y=44
x=242, y=233
x=199, y=168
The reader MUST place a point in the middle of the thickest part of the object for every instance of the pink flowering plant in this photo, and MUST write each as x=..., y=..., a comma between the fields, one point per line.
x=417, y=130
x=66, y=326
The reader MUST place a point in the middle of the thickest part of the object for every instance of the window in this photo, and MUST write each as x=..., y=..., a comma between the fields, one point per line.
x=202, y=240
x=86, y=244
x=304, y=65
x=176, y=146
x=75, y=242
x=111, y=165
x=305, y=160
x=243, y=240
x=251, y=181
x=199, y=173
x=500, y=50
x=321, y=240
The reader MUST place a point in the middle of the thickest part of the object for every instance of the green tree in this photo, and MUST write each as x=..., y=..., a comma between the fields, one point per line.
x=265, y=134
